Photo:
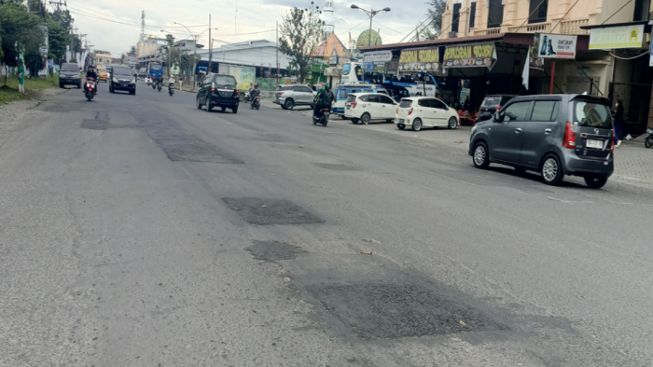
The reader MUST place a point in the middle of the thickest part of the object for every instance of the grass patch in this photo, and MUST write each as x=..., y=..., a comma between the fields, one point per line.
x=9, y=91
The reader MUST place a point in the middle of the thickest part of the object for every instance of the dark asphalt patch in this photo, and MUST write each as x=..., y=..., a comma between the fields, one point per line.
x=182, y=147
x=391, y=311
x=274, y=251
x=337, y=166
x=100, y=122
x=270, y=211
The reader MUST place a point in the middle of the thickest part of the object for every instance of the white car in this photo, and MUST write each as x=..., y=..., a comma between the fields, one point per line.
x=366, y=107
x=419, y=112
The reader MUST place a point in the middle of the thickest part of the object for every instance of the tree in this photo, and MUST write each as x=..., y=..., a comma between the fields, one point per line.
x=18, y=28
x=301, y=31
x=58, y=39
x=436, y=9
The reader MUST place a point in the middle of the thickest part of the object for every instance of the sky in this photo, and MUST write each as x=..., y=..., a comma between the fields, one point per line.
x=114, y=25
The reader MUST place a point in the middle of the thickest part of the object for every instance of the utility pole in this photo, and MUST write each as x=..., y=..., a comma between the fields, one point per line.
x=58, y=4
x=210, y=46
x=278, y=54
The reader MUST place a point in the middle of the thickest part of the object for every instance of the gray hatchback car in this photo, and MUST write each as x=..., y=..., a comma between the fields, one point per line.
x=556, y=135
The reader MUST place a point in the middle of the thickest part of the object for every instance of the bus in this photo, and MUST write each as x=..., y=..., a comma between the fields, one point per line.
x=155, y=70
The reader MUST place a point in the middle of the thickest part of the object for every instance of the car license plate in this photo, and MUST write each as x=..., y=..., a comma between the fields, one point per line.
x=594, y=144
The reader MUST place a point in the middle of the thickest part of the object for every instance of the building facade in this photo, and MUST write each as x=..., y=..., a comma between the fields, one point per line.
x=102, y=57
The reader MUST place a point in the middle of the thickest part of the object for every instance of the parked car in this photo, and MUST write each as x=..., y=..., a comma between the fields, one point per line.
x=218, y=90
x=289, y=96
x=70, y=74
x=492, y=104
x=343, y=91
x=122, y=78
x=419, y=112
x=366, y=107
x=556, y=135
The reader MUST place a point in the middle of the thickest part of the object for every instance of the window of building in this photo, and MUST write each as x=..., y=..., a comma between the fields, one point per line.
x=472, y=14
x=495, y=13
x=641, y=9
x=537, y=11
x=455, y=18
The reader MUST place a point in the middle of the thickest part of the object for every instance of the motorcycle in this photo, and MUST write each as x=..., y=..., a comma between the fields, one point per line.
x=158, y=86
x=324, y=118
x=649, y=139
x=89, y=89
x=256, y=103
x=171, y=89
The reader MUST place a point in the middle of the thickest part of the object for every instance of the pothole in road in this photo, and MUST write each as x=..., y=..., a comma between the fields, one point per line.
x=391, y=311
x=270, y=211
x=100, y=122
x=274, y=251
x=337, y=166
x=182, y=147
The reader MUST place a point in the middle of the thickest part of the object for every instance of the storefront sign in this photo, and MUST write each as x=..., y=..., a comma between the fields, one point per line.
x=479, y=55
x=555, y=46
x=426, y=59
x=377, y=56
x=630, y=36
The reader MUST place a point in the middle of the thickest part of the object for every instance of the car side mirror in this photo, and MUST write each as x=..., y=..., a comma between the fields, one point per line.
x=498, y=116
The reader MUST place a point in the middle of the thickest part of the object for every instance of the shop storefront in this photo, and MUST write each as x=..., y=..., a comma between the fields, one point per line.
x=631, y=75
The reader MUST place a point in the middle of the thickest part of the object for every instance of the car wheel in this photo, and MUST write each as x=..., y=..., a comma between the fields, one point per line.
x=481, y=156
x=453, y=123
x=61, y=85
x=595, y=182
x=342, y=117
x=551, y=170
x=111, y=90
x=290, y=104
x=235, y=109
x=208, y=105
x=223, y=109
x=365, y=119
x=79, y=86
x=401, y=127
x=648, y=143
x=417, y=124
x=198, y=103
x=133, y=93
x=354, y=121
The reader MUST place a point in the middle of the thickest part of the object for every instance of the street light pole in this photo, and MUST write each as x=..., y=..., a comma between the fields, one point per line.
x=210, y=46
x=370, y=13
x=195, y=37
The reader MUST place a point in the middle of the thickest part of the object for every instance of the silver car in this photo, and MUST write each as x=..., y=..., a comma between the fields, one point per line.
x=289, y=96
x=556, y=135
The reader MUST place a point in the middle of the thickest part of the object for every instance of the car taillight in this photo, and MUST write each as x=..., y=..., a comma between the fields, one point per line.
x=212, y=87
x=612, y=138
x=498, y=107
x=569, y=141
x=353, y=104
x=410, y=112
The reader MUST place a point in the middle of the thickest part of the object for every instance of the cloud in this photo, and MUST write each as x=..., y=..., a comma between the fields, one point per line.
x=114, y=25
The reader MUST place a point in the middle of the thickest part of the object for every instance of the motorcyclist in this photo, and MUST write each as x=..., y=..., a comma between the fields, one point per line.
x=323, y=99
x=253, y=93
x=91, y=74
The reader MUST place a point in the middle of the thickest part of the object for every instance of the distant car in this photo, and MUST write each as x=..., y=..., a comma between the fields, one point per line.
x=419, y=112
x=218, y=90
x=122, y=78
x=556, y=135
x=366, y=107
x=289, y=96
x=102, y=74
x=343, y=91
x=492, y=104
x=70, y=74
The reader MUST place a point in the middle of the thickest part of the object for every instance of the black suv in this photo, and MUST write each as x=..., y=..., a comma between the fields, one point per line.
x=218, y=90
x=70, y=75
x=122, y=78
x=492, y=104
x=556, y=135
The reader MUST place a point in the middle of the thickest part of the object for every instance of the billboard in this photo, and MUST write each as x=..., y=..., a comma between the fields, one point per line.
x=608, y=38
x=556, y=46
x=478, y=55
x=424, y=59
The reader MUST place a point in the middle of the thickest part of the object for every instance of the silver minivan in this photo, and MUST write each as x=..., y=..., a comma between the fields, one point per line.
x=556, y=135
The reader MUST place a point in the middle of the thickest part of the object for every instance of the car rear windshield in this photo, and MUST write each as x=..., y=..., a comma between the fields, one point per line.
x=122, y=72
x=592, y=114
x=69, y=67
x=225, y=81
x=492, y=101
x=351, y=98
x=405, y=103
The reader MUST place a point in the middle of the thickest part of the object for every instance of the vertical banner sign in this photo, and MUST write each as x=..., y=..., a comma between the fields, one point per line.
x=466, y=56
x=556, y=46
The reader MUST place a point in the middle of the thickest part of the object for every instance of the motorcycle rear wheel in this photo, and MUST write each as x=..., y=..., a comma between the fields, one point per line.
x=649, y=141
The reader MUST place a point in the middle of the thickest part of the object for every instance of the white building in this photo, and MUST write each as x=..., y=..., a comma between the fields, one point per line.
x=258, y=53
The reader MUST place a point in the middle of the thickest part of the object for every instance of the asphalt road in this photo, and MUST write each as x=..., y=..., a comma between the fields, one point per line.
x=139, y=231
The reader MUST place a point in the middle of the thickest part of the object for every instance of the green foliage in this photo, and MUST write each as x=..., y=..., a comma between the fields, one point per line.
x=300, y=32
x=436, y=9
x=58, y=38
x=17, y=26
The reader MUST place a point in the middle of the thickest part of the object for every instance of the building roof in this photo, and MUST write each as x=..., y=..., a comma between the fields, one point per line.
x=640, y=22
x=328, y=46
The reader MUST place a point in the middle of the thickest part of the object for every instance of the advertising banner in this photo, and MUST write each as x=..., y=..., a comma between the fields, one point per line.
x=609, y=38
x=377, y=56
x=556, y=46
x=479, y=55
x=425, y=59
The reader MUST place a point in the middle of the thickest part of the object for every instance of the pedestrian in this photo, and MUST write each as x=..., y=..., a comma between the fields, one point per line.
x=20, y=74
x=619, y=122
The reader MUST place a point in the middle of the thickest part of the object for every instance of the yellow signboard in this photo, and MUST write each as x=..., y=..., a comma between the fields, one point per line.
x=608, y=38
x=469, y=55
x=425, y=59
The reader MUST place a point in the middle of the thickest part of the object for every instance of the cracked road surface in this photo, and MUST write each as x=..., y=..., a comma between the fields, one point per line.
x=139, y=231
